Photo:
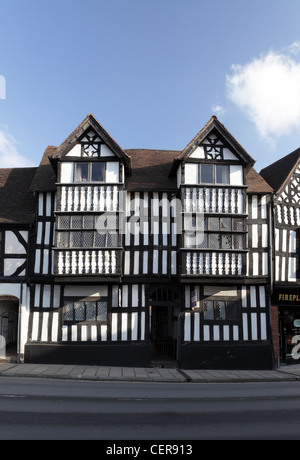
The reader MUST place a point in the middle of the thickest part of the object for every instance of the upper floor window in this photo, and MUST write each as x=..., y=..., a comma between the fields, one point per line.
x=201, y=173
x=78, y=231
x=92, y=171
x=89, y=172
x=214, y=174
x=214, y=233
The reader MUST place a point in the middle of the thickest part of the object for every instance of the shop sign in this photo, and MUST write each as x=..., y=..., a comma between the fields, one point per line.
x=290, y=297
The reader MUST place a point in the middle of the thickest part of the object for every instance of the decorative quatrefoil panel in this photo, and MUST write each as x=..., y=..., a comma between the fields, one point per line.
x=91, y=144
x=213, y=148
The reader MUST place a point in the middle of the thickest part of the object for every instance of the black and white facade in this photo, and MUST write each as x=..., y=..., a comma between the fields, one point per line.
x=140, y=256
x=284, y=178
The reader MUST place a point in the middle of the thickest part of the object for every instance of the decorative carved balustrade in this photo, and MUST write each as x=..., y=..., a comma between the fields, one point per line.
x=229, y=200
x=88, y=262
x=213, y=263
x=84, y=198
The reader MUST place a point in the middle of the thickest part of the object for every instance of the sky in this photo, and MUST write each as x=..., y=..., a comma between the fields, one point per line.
x=152, y=72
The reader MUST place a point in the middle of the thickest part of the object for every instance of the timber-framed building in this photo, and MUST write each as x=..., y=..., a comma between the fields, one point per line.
x=138, y=257
x=284, y=177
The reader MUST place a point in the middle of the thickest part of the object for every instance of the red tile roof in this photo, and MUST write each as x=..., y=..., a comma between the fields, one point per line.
x=150, y=170
x=45, y=177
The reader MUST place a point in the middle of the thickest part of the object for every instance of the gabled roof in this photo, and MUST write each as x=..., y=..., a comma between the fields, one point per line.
x=150, y=169
x=90, y=122
x=17, y=203
x=150, y=172
x=214, y=124
x=278, y=173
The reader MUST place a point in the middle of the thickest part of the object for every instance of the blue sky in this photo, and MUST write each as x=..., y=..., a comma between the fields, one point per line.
x=152, y=72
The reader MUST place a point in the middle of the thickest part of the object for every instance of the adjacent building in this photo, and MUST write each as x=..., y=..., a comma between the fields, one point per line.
x=145, y=257
x=284, y=177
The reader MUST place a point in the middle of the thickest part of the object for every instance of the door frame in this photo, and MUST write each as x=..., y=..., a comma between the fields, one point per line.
x=9, y=323
x=164, y=331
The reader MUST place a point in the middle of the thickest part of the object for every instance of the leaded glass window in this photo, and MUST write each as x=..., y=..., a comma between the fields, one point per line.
x=220, y=310
x=90, y=310
x=101, y=311
x=79, y=312
x=215, y=233
x=85, y=310
x=81, y=231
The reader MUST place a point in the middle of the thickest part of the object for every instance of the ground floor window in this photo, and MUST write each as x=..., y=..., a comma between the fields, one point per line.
x=81, y=310
x=220, y=303
x=220, y=310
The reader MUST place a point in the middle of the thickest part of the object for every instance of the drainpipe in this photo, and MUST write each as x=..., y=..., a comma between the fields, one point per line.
x=19, y=322
x=272, y=270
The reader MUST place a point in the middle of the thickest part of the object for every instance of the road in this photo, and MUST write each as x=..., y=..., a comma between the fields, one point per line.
x=61, y=409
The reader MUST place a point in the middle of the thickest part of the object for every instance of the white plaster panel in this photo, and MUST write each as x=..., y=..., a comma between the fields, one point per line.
x=11, y=265
x=12, y=244
x=66, y=172
x=10, y=289
x=191, y=173
x=236, y=175
x=86, y=291
x=105, y=151
x=112, y=171
x=75, y=151
x=228, y=155
x=198, y=153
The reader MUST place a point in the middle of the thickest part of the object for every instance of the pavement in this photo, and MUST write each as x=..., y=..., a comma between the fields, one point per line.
x=155, y=374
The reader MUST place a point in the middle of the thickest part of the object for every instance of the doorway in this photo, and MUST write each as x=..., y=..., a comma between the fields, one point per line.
x=289, y=326
x=9, y=319
x=164, y=332
x=164, y=308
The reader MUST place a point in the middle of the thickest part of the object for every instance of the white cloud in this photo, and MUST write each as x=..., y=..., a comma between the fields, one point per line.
x=294, y=48
x=218, y=110
x=9, y=154
x=268, y=90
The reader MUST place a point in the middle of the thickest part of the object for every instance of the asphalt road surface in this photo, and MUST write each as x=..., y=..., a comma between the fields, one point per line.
x=59, y=409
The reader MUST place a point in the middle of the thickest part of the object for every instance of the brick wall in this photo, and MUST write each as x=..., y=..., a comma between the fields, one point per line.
x=275, y=334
